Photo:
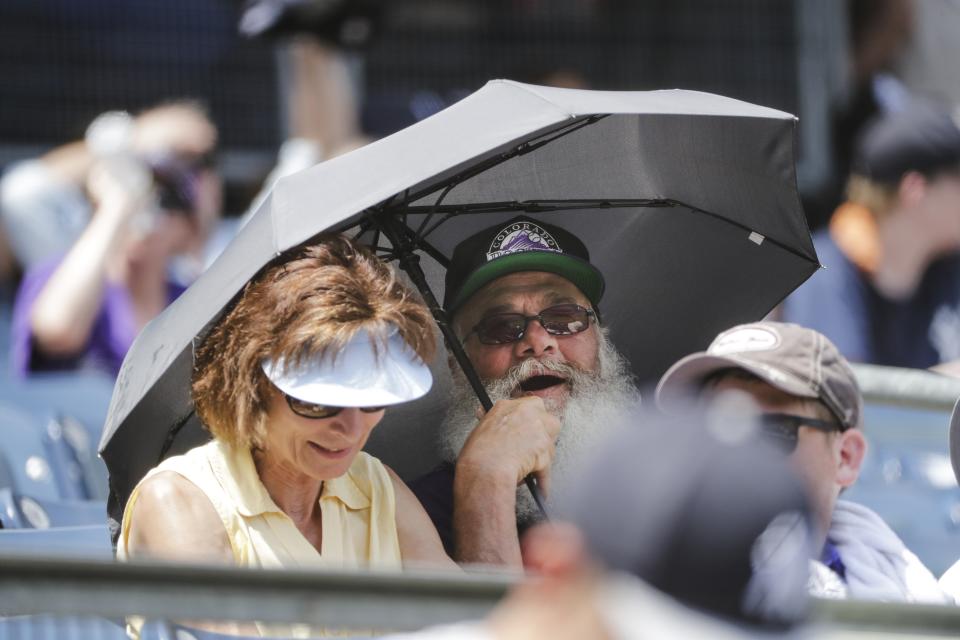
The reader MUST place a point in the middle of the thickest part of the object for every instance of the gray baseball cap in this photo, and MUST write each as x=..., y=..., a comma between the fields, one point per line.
x=794, y=359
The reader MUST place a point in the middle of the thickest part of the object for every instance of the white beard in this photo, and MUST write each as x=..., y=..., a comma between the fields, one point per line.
x=596, y=405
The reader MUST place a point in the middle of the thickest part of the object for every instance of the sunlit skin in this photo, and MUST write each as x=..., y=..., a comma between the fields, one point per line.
x=529, y=293
x=825, y=462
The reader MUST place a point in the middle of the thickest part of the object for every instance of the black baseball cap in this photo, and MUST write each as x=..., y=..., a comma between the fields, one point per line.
x=521, y=244
x=921, y=137
x=695, y=506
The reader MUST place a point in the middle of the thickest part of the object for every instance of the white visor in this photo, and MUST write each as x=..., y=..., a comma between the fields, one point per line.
x=357, y=376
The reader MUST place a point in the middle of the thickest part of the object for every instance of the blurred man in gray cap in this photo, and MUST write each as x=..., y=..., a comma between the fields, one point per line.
x=890, y=293
x=809, y=403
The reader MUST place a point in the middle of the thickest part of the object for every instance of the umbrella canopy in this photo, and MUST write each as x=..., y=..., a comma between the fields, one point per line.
x=687, y=202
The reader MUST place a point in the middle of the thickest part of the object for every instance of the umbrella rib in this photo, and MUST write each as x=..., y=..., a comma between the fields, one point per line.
x=518, y=150
x=172, y=434
x=453, y=210
x=426, y=247
x=782, y=245
x=436, y=226
x=544, y=206
x=528, y=206
x=430, y=215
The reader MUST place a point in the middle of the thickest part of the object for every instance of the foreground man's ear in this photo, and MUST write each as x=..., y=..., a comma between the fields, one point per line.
x=853, y=448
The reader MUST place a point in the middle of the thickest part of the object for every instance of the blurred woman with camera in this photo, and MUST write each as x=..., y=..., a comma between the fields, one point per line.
x=83, y=309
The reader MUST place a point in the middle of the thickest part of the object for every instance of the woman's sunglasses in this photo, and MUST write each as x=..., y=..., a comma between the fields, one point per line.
x=783, y=428
x=559, y=320
x=319, y=411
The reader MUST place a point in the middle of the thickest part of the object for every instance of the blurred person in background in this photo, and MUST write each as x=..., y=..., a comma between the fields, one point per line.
x=154, y=197
x=8, y=269
x=879, y=31
x=45, y=203
x=323, y=118
x=687, y=526
x=317, y=45
x=890, y=292
x=809, y=404
x=290, y=383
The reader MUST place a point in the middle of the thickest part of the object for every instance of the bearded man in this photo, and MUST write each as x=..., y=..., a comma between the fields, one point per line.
x=523, y=299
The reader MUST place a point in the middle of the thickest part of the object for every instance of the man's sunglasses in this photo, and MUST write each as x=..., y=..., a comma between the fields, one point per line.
x=559, y=320
x=782, y=428
x=319, y=411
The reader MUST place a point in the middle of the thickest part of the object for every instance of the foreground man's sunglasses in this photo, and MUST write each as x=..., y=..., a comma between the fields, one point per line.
x=558, y=320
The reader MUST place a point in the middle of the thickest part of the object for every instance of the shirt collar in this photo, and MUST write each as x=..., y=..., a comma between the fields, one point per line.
x=238, y=475
x=830, y=556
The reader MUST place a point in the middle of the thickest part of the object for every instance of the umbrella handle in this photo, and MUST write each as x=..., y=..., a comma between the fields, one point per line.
x=405, y=251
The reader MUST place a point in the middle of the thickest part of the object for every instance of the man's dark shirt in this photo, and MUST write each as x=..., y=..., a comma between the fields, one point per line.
x=830, y=556
x=841, y=303
x=434, y=490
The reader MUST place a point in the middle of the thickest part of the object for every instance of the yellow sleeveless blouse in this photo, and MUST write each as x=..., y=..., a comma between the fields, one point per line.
x=358, y=512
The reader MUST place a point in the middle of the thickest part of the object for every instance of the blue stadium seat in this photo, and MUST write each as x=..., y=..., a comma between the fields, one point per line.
x=26, y=464
x=86, y=396
x=59, y=628
x=90, y=541
x=907, y=479
x=49, y=457
x=72, y=408
x=26, y=512
x=80, y=473
x=161, y=630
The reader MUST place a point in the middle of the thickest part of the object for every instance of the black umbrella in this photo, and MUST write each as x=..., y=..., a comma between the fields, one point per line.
x=687, y=202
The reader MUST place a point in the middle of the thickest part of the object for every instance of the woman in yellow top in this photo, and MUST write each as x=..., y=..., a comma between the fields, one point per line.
x=290, y=383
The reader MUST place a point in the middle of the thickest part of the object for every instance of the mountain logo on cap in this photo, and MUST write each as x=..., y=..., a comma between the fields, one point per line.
x=745, y=339
x=519, y=237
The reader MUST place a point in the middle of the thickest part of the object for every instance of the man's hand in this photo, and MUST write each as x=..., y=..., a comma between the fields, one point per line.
x=516, y=438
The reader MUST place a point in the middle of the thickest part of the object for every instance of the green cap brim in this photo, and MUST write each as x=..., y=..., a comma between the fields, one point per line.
x=580, y=272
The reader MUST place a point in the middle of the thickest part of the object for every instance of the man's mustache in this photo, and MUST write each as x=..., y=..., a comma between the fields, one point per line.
x=536, y=367
x=509, y=382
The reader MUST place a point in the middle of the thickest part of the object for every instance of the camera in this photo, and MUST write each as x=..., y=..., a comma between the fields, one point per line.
x=175, y=180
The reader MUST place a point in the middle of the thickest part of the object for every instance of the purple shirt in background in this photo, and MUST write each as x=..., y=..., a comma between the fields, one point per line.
x=113, y=330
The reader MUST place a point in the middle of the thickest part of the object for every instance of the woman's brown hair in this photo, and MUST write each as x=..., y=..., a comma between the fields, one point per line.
x=309, y=305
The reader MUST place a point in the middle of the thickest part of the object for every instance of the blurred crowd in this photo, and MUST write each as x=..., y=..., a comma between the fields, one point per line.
x=101, y=234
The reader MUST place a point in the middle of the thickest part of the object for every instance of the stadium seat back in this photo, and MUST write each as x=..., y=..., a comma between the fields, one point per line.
x=25, y=454
x=90, y=541
x=59, y=628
